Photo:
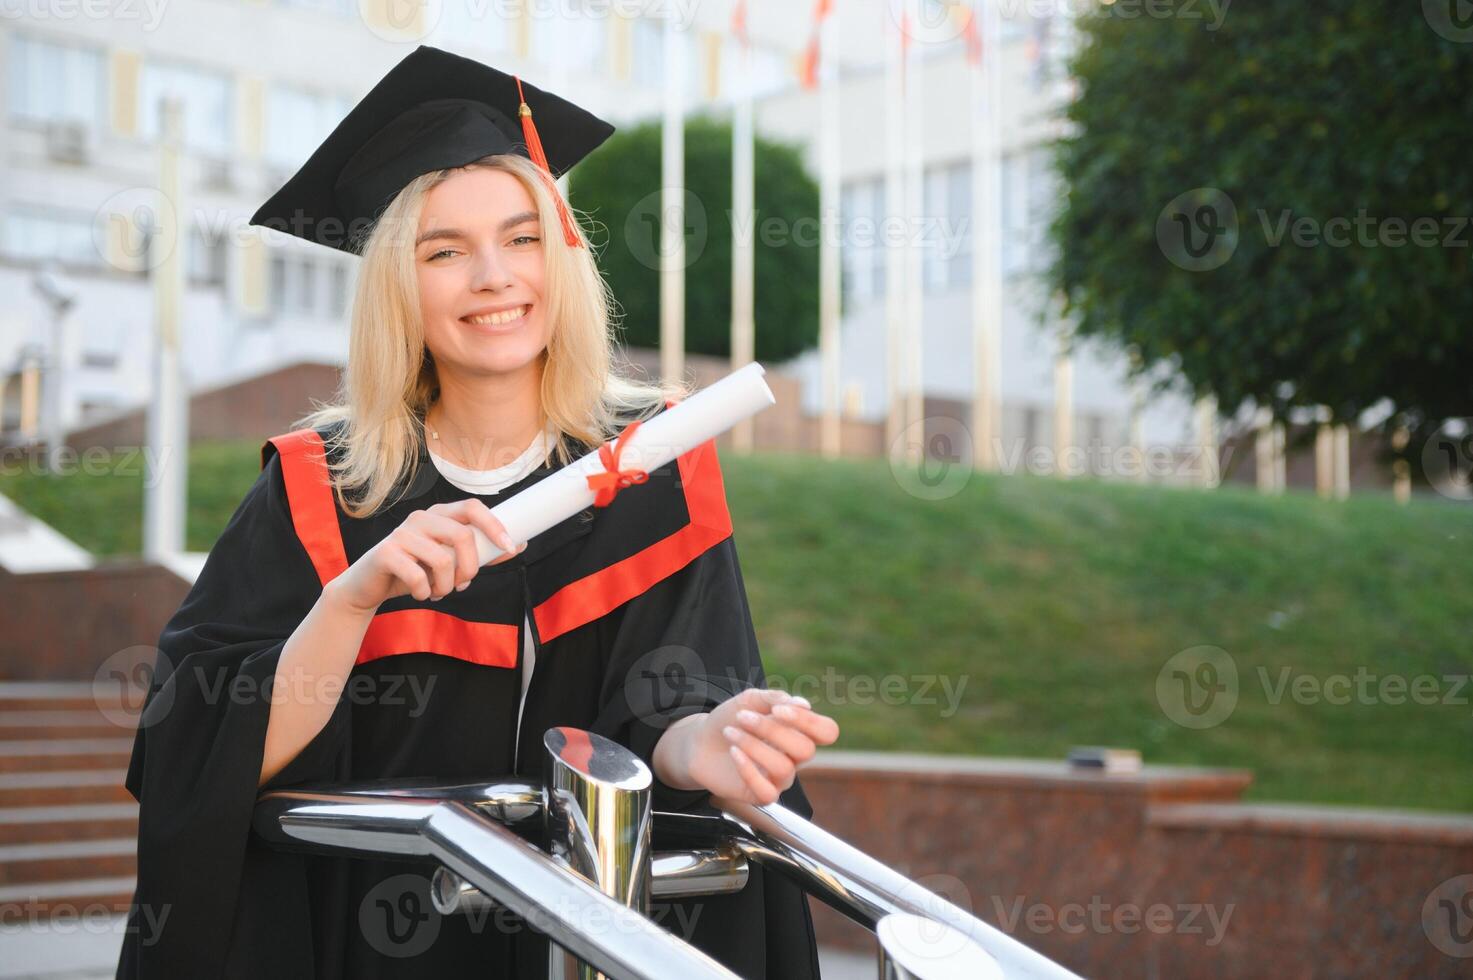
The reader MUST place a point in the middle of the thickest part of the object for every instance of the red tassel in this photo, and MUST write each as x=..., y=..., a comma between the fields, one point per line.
x=539, y=157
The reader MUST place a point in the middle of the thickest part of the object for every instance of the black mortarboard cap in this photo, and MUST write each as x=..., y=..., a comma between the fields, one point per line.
x=433, y=110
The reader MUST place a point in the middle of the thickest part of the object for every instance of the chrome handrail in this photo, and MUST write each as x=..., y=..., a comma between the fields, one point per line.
x=503, y=866
x=477, y=830
x=863, y=888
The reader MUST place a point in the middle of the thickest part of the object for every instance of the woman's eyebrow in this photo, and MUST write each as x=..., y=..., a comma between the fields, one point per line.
x=456, y=233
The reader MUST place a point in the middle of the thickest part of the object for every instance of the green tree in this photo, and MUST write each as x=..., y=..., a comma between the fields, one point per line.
x=1243, y=202
x=620, y=187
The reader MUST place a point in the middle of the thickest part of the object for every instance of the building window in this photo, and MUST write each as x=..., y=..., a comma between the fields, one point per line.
x=278, y=283
x=36, y=233
x=1044, y=189
x=56, y=83
x=343, y=8
x=862, y=211
x=306, y=285
x=647, y=52
x=298, y=121
x=481, y=25
x=961, y=227
x=339, y=291
x=103, y=360
x=93, y=408
x=1030, y=192
x=1013, y=24
x=206, y=259
x=578, y=40
x=946, y=235
x=206, y=96
x=309, y=286
x=771, y=70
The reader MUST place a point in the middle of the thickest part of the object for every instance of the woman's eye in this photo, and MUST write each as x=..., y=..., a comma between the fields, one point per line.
x=525, y=238
x=443, y=251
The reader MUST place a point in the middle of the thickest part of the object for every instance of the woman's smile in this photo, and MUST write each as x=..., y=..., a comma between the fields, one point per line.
x=499, y=322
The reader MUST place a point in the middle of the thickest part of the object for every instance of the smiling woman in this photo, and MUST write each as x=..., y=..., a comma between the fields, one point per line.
x=451, y=256
x=482, y=324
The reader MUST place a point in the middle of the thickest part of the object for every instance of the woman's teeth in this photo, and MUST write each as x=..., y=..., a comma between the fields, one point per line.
x=497, y=318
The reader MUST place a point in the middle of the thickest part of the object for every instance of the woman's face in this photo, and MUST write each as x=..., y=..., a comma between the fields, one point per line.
x=478, y=255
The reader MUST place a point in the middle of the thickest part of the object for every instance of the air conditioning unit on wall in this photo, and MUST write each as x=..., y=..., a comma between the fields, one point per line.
x=216, y=175
x=68, y=142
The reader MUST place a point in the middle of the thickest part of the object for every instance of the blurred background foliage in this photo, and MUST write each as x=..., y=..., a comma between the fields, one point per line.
x=620, y=187
x=1340, y=109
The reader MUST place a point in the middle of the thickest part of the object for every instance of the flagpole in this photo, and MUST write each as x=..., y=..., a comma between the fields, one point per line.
x=894, y=251
x=743, y=246
x=915, y=268
x=168, y=408
x=672, y=206
x=986, y=226
x=829, y=299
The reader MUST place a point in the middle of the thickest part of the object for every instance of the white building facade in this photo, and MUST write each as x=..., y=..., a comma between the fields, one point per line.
x=263, y=82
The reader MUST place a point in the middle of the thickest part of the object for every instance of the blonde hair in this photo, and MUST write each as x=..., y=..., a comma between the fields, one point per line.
x=376, y=419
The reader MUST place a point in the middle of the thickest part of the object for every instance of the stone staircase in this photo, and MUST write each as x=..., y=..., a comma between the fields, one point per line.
x=68, y=828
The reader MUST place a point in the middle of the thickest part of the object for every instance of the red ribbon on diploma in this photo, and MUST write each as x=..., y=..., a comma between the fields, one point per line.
x=606, y=485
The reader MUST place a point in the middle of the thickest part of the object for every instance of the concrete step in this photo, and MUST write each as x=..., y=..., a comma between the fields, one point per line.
x=69, y=696
x=77, y=821
x=33, y=690
x=36, y=724
x=61, y=861
x=26, y=755
x=88, y=896
x=20, y=789
x=81, y=703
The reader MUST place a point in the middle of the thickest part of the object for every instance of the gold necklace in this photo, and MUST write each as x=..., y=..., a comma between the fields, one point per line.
x=435, y=436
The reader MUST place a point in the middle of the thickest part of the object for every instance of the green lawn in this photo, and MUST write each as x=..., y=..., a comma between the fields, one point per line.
x=1050, y=608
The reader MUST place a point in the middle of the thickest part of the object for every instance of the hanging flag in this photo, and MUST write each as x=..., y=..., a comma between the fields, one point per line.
x=808, y=68
x=904, y=47
x=808, y=71
x=739, y=22
x=972, y=34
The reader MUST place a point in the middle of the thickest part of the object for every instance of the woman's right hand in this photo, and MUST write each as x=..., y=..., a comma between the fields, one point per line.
x=432, y=552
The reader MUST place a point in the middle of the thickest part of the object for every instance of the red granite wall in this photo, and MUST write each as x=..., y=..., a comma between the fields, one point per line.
x=255, y=408
x=64, y=625
x=1158, y=874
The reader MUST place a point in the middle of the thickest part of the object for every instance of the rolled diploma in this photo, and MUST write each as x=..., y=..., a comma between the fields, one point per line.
x=672, y=433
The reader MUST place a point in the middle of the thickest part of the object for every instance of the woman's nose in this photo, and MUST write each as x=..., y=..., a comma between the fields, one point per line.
x=490, y=272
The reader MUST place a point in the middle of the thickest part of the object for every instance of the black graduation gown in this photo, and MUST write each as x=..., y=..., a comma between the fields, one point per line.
x=639, y=615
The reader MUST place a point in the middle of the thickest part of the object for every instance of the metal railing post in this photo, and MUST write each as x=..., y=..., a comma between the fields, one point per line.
x=598, y=824
x=913, y=947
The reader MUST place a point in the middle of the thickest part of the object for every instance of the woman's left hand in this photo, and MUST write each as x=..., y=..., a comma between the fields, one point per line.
x=751, y=747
